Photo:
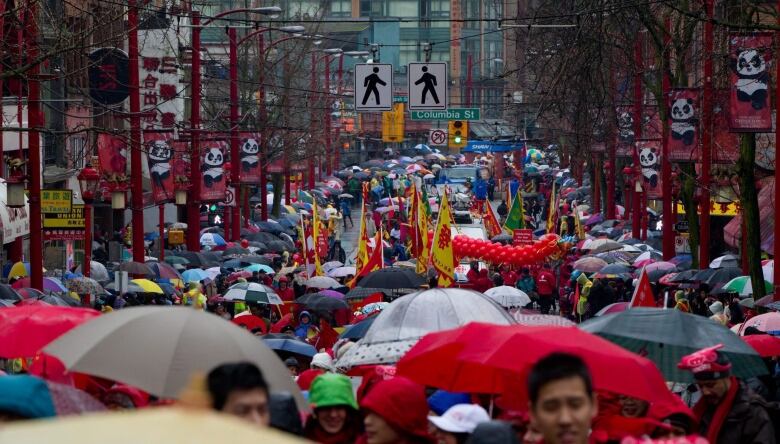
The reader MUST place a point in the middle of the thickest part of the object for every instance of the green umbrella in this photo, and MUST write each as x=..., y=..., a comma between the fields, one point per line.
x=253, y=292
x=176, y=260
x=665, y=336
x=744, y=286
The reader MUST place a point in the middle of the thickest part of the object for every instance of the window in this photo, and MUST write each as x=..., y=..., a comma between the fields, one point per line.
x=440, y=9
x=408, y=52
x=78, y=151
x=341, y=8
x=403, y=8
x=471, y=11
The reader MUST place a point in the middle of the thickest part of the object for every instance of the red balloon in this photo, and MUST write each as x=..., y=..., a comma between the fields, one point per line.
x=244, y=243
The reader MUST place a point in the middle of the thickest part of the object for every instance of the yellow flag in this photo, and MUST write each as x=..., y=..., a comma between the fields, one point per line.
x=316, y=238
x=578, y=229
x=442, y=256
x=551, y=213
x=422, y=232
x=362, y=254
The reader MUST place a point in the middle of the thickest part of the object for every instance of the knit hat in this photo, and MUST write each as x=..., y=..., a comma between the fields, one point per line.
x=461, y=418
x=401, y=403
x=323, y=361
x=716, y=307
x=330, y=390
x=26, y=396
x=440, y=401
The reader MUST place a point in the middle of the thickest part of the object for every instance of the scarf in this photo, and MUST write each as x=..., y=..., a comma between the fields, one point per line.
x=721, y=411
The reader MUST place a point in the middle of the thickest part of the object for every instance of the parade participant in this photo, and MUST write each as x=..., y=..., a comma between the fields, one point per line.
x=545, y=282
x=194, y=297
x=728, y=411
x=473, y=274
x=284, y=291
x=526, y=283
x=562, y=401
x=681, y=302
x=346, y=212
x=483, y=282
x=716, y=308
x=457, y=424
x=304, y=324
x=239, y=389
x=335, y=418
x=396, y=413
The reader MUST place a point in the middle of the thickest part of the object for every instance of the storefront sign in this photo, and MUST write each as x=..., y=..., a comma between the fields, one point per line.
x=72, y=219
x=56, y=201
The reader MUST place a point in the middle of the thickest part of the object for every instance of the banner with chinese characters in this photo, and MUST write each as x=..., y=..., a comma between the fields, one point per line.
x=683, y=120
x=750, y=59
x=159, y=158
x=181, y=164
x=112, y=159
x=250, y=168
x=160, y=87
x=625, y=131
x=213, y=182
x=649, y=152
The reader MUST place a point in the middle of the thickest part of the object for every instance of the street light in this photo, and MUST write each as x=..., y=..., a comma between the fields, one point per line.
x=89, y=181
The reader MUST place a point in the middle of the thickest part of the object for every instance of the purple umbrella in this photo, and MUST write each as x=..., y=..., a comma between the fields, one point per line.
x=332, y=294
x=593, y=220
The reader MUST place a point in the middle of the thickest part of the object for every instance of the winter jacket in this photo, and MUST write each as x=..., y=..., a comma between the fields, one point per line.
x=748, y=422
x=527, y=284
x=545, y=281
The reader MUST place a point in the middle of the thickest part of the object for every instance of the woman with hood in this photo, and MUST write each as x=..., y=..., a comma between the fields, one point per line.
x=304, y=324
x=396, y=412
x=681, y=302
x=335, y=418
x=717, y=313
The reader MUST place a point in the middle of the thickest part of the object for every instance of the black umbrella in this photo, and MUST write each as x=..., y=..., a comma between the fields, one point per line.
x=7, y=293
x=261, y=247
x=502, y=238
x=715, y=276
x=364, y=292
x=325, y=303
x=256, y=260
x=135, y=268
x=270, y=227
x=278, y=246
x=262, y=236
x=685, y=276
x=392, y=278
x=215, y=230
x=198, y=260
x=234, y=251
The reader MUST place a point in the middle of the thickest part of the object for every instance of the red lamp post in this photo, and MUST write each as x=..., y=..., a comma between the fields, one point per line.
x=335, y=52
x=89, y=181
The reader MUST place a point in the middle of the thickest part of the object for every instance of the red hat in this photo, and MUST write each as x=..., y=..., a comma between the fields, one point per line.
x=401, y=403
x=707, y=363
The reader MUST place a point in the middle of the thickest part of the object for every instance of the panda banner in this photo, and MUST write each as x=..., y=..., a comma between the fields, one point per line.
x=250, y=168
x=159, y=158
x=649, y=152
x=750, y=57
x=213, y=183
x=683, y=116
x=625, y=131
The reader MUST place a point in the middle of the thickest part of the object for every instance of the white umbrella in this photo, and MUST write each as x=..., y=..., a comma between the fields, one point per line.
x=253, y=292
x=213, y=272
x=769, y=271
x=341, y=272
x=322, y=282
x=158, y=349
x=402, y=323
x=97, y=271
x=328, y=266
x=507, y=296
x=728, y=260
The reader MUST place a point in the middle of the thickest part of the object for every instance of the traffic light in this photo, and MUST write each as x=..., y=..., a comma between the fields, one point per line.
x=458, y=133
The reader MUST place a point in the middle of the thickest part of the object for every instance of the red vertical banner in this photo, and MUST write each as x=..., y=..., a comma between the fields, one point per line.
x=159, y=158
x=625, y=131
x=750, y=57
x=112, y=156
x=181, y=163
x=651, y=123
x=213, y=182
x=249, y=156
x=683, y=119
x=649, y=152
x=725, y=144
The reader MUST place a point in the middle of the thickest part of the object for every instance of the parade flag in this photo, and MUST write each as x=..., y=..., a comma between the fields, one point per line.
x=315, y=222
x=375, y=260
x=362, y=254
x=442, y=255
x=422, y=234
x=413, y=215
x=426, y=204
x=491, y=221
x=515, y=219
x=304, y=235
x=551, y=213
x=578, y=229
x=643, y=292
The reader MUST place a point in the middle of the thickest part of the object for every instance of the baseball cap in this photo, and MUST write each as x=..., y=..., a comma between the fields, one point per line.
x=460, y=418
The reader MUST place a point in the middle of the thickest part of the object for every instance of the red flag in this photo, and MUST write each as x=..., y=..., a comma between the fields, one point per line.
x=375, y=260
x=643, y=292
x=490, y=221
x=328, y=336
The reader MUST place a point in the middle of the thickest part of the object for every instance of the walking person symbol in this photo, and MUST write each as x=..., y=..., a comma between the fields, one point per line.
x=430, y=85
x=370, y=83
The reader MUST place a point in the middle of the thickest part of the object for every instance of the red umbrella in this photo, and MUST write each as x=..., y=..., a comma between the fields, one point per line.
x=766, y=345
x=488, y=358
x=25, y=330
x=667, y=280
x=250, y=322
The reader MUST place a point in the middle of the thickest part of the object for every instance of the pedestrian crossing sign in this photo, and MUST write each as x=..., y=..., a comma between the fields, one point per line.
x=373, y=87
x=428, y=86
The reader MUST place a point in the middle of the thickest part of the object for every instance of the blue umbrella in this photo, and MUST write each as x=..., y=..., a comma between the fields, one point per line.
x=259, y=267
x=292, y=346
x=232, y=263
x=357, y=331
x=194, y=275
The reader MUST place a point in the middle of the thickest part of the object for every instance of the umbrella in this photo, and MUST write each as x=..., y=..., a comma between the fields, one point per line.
x=502, y=238
x=593, y=220
x=149, y=426
x=615, y=269
x=647, y=255
x=290, y=345
x=253, y=292
x=84, y=285
x=766, y=345
x=176, y=260
x=364, y=292
x=603, y=245
x=667, y=279
x=194, y=275
x=392, y=278
x=327, y=266
x=346, y=196
x=212, y=240
x=767, y=322
x=58, y=301
x=341, y=272
x=322, y=282
x=684, y=277
x=589, y=264
x=259, y=267
x=324, y=303
x=148, y=286
x=49, y=284
x=524, y=317
x=180, y=335
x=665, y=336
x=25, y=330
x=135, y=268
x=358, y=330
x=19, y=269
x=714, y=276
x=7, y=293
x=197, y=259
x=479, y=358
x=507, y=296
x=399, y=326
x=97, y=271
x=256, y=260
x=163, y=270
x=728, y=260
x=744, y=286
x=278, y=246
x=234, y=251
x=617, y=307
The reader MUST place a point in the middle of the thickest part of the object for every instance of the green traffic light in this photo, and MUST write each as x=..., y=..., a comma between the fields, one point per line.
x=457, y=139
x=213, y=208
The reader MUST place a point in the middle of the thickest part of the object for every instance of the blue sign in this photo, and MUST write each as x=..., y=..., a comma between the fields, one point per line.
x=484, y=146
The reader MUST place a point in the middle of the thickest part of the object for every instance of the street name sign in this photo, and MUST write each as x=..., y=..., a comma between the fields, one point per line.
x=428, y=85
x=373, y=87
x=447, y=114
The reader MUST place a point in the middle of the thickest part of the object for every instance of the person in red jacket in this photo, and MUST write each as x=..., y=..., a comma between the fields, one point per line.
x=284, y=291
x=483, y=282
x=545, y=286
x=473, y=274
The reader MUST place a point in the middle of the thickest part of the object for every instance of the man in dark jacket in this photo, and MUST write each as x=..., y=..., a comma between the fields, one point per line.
x=728, y=412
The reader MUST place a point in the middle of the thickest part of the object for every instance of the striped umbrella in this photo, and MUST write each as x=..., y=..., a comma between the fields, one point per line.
x=253, y=292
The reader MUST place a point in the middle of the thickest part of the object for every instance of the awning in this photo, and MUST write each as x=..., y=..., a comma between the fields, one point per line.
x=15, y=221
x=732, y=232
x=480, y=146
x=488, y=129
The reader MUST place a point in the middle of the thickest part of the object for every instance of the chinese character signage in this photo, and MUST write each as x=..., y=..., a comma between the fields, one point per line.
x=73, y=219
x=213, y=181
x=159, y=157
x=683, y=125
x=649, y=152
x=162, y=102
x=750, y=58
x=249, y=156
x=56, y=201
x=108, y=76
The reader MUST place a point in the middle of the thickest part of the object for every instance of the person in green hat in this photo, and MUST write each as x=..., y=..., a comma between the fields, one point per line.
x=335, y=418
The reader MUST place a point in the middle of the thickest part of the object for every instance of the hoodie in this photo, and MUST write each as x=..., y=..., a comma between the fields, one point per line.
x=303, y=328
x=401, y=402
